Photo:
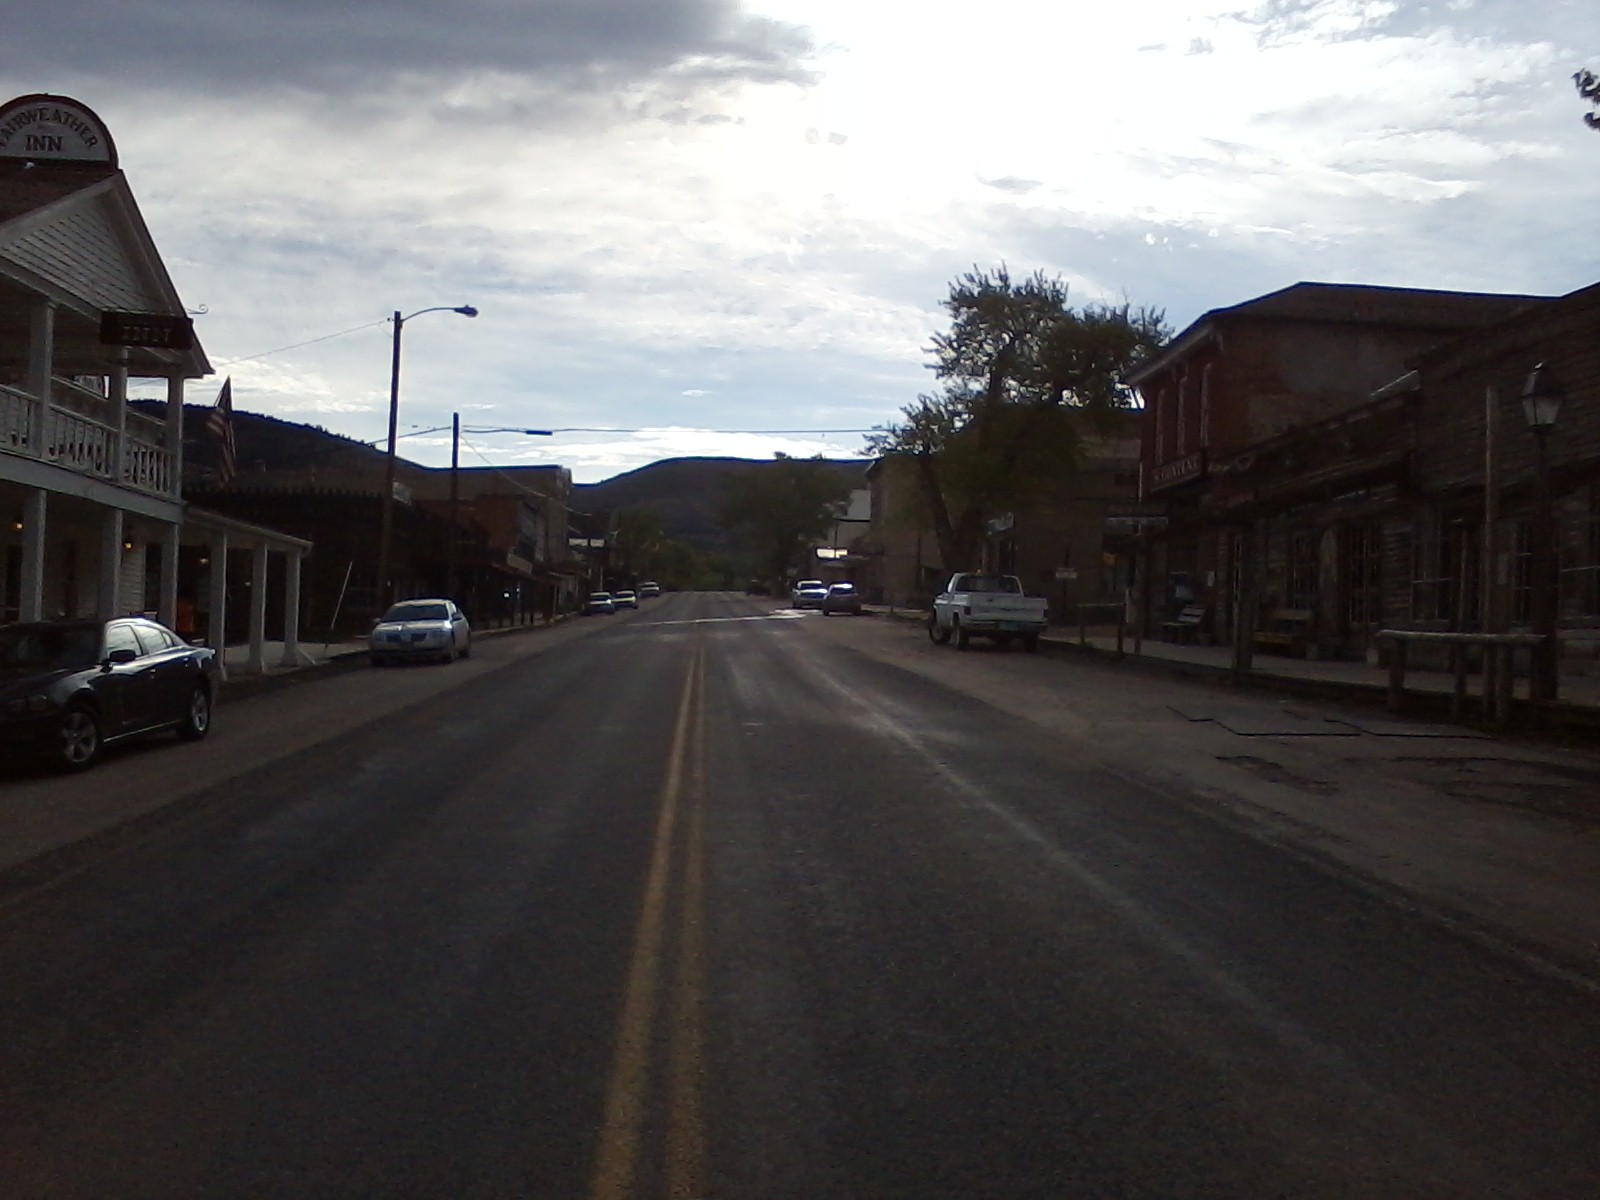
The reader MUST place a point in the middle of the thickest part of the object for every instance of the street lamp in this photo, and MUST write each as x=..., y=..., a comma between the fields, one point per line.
x=455, y=486
x=1542, y=397
x=386, y=531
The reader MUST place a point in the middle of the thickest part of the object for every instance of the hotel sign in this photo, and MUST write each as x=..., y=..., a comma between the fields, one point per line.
x=1179, y=470
x=45, y=128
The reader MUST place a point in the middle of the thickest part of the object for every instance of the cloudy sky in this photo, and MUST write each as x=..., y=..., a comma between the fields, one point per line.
x=682, y=217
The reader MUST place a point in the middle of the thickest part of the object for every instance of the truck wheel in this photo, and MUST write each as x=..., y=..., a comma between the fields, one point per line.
x=1003, y=640
x=937, y=634
x=1031, y=643
x=963, y=638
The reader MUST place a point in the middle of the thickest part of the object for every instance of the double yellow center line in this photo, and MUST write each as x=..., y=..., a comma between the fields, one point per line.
x=646, y=993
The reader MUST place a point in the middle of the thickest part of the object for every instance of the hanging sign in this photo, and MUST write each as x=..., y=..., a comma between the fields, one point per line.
x=160, y=330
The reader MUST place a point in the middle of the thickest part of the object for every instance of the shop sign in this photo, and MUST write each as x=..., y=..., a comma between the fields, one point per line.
x=45, y=128
x=1179, y=470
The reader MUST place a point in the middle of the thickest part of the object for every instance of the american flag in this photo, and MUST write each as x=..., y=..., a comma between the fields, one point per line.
x=219, y=423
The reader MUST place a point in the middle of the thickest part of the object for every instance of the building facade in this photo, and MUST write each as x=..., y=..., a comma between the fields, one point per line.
x=1219, y=403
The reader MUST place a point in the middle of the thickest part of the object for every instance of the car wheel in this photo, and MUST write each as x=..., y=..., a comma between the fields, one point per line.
x=963, y=638
x=466, y=651
x=196, y=721
x=376, y=661
x=79, y=738
x=937, y=635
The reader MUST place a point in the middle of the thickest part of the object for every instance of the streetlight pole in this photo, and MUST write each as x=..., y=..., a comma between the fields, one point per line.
x=386, y=529
x=1542, y=398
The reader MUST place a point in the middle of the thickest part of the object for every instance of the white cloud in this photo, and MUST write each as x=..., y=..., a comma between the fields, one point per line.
x=720, y=217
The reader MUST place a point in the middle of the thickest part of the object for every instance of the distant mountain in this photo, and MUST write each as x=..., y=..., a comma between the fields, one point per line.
x=684, y=494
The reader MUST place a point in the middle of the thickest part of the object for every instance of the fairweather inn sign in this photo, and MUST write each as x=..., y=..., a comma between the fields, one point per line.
x=45, y=128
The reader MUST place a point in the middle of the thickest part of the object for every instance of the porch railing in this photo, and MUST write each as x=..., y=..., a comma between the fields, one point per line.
x=65, y=434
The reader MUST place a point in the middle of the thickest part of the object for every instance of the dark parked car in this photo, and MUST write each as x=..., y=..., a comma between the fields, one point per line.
x=68, y=688
x=842, y=598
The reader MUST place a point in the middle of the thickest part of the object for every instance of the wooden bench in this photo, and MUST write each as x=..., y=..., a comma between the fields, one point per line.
x=1286, y=629
x=1185, y=627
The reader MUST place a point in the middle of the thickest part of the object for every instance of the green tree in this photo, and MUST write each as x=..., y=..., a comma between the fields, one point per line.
x=1025, y=378
x=782, y=508
x=637, y=541
x=1588, y=85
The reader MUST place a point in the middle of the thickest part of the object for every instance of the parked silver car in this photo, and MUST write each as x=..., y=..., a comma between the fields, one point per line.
x=420, y=629
x=808, y=593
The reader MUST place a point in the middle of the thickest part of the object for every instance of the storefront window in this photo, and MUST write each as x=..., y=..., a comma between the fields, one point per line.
x=1580, y=556
x=1302, y=580
x=1433, y=572
x=1363, y=560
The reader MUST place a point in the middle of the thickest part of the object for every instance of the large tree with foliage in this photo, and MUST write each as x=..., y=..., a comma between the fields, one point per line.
x=1588, y=85
x=1025, y=377
x=782, y=508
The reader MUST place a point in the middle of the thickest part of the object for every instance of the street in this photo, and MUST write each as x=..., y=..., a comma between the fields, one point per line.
x=717, y=900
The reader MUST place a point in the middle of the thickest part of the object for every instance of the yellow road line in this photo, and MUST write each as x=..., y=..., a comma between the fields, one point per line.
x=617, y=1160
x=685, y=1158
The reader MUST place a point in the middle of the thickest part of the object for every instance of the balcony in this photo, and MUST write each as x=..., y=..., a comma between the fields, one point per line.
x=72, y=431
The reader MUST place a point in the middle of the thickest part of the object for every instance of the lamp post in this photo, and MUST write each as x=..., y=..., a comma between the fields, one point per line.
x=386, y=531
x=1542, y=398
x=455, y=485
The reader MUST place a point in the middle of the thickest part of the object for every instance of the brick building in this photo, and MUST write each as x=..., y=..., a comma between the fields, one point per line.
x=1219, y=455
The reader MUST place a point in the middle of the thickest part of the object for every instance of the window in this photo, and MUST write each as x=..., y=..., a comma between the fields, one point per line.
x=1183, y=415
x=1205, y=406
x=1363, y=566
x=120, y=637
x=1522, y=572
x=1302, y=577
x=151, y=639
x=1580, y=556
x=1432, y=572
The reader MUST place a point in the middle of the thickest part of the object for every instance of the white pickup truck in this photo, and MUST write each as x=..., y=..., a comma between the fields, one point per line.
x=991, y=606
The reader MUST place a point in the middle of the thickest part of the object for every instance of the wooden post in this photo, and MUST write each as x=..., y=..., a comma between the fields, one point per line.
x=1397, y=674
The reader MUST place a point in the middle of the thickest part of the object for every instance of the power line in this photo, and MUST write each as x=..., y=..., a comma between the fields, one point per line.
x=685, y=429
x=313, y=341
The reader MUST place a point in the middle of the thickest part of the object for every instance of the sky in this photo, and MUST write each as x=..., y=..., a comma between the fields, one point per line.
x=695, y=221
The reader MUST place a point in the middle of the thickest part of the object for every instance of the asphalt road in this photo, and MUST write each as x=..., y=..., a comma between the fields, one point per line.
x=705, y=903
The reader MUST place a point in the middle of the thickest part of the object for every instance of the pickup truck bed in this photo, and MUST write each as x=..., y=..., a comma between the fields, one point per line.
x=990, y=606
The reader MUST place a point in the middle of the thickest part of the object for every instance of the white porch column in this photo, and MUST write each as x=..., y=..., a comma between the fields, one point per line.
x=258, y=610
x=217, y=618
x=110, y=565
x=167, y=604
x=118, y=387
x=175, y=385
x=291, y=609
x=30, y=582
x=41, y=363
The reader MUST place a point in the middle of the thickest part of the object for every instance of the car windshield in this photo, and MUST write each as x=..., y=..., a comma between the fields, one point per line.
x=418, y=611
x=44, y=649
x=842, y=588
x=988, y=583
x=600, y=597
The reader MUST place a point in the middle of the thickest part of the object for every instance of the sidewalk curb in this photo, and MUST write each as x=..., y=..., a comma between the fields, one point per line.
x=247, y=687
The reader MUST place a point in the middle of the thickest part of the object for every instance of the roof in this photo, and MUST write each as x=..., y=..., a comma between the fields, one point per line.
x=1349, y=304
x=26, y=187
